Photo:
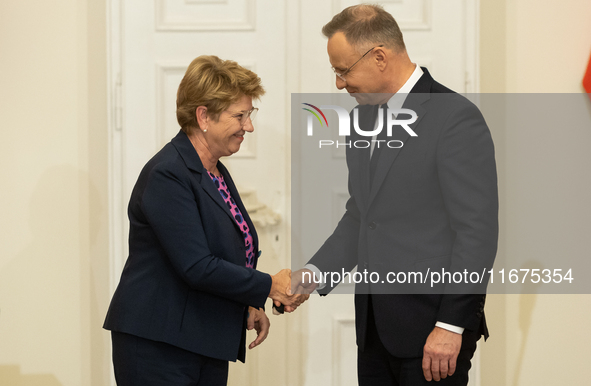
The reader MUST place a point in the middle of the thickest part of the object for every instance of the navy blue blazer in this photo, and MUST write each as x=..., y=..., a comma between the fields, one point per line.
x=185, y=281
x=433, y=204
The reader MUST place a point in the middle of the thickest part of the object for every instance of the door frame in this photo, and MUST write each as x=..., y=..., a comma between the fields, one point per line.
x=117, y=220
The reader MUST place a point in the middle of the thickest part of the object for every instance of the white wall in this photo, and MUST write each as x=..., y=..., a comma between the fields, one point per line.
x=539, y=46
x=53, y=206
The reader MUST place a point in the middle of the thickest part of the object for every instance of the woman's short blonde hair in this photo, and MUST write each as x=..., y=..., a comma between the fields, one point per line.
x=215, y=84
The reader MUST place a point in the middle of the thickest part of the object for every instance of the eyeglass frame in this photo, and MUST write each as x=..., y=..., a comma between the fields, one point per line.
x=252, y=113
x=342, y=75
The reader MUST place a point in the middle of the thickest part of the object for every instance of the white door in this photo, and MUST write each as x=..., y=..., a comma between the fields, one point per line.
x=152, y=42
x=439, y=35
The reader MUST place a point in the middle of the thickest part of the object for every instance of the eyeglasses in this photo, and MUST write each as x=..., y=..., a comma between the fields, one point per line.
x=342, y=75
x=243, y=116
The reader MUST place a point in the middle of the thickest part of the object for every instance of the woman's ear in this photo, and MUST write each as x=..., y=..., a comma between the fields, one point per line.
x=202, y=118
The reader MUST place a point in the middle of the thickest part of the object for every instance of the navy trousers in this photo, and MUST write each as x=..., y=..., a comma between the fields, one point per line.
x=143, y=362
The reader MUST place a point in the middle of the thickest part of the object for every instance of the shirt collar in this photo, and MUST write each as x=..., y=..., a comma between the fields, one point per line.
x=398, y=99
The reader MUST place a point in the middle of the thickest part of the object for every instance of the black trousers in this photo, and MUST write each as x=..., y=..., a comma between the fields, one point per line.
x=377, y=367
x=143, y=362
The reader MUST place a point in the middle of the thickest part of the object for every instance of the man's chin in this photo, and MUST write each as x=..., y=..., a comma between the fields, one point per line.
x=360, y=98
x=373, y=99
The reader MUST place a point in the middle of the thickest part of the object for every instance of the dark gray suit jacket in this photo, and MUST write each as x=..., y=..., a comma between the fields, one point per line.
x=433, y=204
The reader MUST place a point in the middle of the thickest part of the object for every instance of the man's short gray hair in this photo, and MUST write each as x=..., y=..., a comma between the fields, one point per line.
x=366, y=25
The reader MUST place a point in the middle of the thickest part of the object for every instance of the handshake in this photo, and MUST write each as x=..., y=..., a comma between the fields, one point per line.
x=290, y=289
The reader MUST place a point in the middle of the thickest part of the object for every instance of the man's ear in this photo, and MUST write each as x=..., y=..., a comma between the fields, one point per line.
x=380, y=57
x=201, y=116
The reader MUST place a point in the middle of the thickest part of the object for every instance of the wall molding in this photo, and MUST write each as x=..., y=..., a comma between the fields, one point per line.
x=191, y=19
x=115, y=147
x=420, y=23
x=472, y=45
x=340, y=323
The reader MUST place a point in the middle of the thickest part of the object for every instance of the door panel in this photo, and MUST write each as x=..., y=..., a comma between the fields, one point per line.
x=152, y=42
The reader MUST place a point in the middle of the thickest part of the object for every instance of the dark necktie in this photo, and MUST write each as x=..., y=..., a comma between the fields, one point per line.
x=382, y=136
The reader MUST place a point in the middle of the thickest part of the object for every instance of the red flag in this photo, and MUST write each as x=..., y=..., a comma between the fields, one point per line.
x=587, y=79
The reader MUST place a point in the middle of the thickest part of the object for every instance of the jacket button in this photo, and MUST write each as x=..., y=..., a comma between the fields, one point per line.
x=373, y=225
x=365, y=265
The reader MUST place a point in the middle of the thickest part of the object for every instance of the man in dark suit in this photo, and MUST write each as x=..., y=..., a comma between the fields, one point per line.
x=429, y=204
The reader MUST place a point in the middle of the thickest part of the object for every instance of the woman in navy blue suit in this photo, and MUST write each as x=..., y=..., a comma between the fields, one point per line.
x=190, y=288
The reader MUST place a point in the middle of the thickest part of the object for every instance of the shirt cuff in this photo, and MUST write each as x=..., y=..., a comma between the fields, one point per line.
x=450, y=327
x=317, y=275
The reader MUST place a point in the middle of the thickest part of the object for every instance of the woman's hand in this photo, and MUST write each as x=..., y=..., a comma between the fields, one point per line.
x=281, y=291
x=258, y=320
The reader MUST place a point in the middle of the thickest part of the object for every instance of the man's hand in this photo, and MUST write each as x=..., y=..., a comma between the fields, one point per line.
x=440, y=354
x=258, y=320
x=302, y=282
x=281, y=291
x=302, y=285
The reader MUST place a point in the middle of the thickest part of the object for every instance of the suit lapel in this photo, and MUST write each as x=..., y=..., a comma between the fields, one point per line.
x=414, y=101
x=193, y=162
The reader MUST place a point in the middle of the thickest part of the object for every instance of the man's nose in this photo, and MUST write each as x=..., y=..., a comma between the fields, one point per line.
x=341, y=84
